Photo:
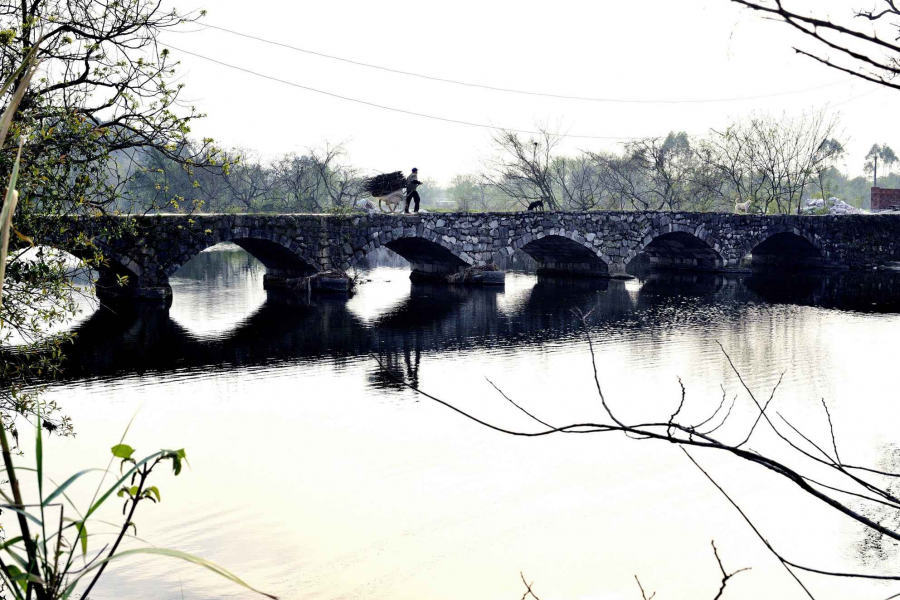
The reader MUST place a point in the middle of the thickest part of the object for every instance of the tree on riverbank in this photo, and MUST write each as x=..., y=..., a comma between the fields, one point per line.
x=104, y=89
x=882, y=153
x=523, y=168
x=41, y=562
x=318, y=181
x=774, y=162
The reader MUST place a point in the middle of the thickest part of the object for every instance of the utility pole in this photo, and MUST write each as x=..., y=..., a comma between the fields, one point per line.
x=876, y=172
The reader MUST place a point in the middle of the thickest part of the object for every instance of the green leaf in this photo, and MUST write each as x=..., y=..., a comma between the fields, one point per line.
x=39, y=457
x=16, y=575
x=11, y=542
x=177, y=456
x=66, y=484
x=17, y=557
x=99, y=502
x=13, y=573
x=24, y=513
x=21, y=577
x=202, y=562
x=122, y=451
x=131, y=491
x=155, y=491
x=83, y=537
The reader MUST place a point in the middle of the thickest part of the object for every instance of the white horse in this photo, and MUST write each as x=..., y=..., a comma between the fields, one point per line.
x=393, y=200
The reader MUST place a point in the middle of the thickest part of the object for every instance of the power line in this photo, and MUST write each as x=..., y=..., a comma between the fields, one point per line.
x=849, y=100
x=391, y=108
x=513, y=90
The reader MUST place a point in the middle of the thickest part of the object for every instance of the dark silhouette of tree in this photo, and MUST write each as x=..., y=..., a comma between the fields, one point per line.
x=523, y=168
x=863, y=54
x=772, y=162
x=862, y=493
x=883, y=153
x=105, y=87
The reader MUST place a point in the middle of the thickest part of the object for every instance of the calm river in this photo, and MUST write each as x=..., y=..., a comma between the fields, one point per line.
x=314, y=475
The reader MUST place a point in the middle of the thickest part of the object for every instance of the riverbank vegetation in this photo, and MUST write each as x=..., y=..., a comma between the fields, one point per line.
x=774, y=162
x=103, y=86
x=42, y=560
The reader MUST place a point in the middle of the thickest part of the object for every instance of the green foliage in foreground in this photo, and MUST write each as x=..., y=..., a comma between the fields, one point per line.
x=42, y=560
x=103, y=87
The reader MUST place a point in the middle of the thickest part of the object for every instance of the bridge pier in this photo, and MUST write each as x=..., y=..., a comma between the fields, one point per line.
x=572, y=269
x=432, y=272
x=484, y=275
x=592, y=270
x=288, y=280
x=111, y=290
x=134, y=294
x=617, y=271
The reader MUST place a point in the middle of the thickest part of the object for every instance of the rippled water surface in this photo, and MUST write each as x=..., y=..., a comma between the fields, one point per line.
x=315, y=475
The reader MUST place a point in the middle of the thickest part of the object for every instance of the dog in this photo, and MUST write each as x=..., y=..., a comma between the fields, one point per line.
x=393, y=200
x=742, y=207
x=537, y=204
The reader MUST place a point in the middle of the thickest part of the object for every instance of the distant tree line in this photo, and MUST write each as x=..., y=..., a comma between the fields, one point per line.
x=774, y=163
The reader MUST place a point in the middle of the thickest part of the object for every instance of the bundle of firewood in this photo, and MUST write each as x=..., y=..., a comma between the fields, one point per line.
x=384, y=184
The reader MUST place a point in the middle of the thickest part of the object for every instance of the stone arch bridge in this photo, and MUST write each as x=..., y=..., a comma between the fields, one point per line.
x=438, y=245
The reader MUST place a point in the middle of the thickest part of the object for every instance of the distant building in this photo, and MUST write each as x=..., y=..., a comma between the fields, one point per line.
x=883, y=199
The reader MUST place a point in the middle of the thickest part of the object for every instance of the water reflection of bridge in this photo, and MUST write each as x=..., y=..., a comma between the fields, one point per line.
x=437, y=319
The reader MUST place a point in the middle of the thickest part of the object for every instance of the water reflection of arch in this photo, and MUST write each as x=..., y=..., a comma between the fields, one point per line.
x=135, y=340
x=146, y=339
x=432, y=321
x=858, y=291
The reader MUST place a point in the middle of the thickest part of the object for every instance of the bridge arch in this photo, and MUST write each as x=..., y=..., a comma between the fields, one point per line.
x=678, y=247
x=564, y=252
x=117, y=275
x=429, y=255
x=786, y=247
x=279, y=254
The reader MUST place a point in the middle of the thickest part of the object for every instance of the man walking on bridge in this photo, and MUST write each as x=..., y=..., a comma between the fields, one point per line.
x=412, y=182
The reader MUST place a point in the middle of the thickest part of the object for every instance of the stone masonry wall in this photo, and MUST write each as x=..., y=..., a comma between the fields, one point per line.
x=600, y=242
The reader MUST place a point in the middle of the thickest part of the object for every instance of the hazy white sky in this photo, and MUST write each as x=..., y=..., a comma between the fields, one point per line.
x=643, y=50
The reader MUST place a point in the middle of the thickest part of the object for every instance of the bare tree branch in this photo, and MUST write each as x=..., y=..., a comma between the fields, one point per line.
x=865, y=51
